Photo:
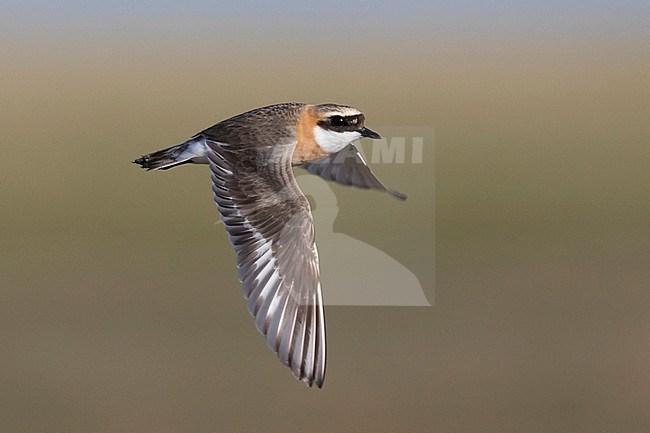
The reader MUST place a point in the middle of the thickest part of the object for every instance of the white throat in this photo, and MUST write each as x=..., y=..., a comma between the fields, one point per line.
x=332, y=141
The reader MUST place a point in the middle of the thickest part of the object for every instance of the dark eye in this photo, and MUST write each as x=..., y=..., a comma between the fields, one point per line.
x=337, y=121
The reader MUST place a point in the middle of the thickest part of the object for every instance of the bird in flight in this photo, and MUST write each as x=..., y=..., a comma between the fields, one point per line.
x=267, y=217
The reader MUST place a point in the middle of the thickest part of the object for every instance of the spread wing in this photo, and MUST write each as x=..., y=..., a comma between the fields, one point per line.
x=269, y=224
x=347, y=167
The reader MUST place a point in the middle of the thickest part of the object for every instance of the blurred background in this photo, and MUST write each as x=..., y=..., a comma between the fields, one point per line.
x=119, y=305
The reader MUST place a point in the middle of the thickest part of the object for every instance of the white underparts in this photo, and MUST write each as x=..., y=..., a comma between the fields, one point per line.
x=332, y=141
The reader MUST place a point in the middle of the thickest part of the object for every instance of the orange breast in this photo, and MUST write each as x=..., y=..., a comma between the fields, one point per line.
x=306, y=147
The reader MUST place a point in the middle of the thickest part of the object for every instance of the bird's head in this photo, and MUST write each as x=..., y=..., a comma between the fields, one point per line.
x=339, y=125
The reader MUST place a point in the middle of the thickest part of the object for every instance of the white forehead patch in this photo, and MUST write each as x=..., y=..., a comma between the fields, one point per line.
x=343, y=111
x=332, y=141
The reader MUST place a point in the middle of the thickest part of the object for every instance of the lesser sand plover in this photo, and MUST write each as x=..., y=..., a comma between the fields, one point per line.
x=267, y=217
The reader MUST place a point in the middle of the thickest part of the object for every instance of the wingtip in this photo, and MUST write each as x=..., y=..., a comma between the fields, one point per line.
x=143, y=162
x=310, y=382
x=397, y=195
x=140, y=161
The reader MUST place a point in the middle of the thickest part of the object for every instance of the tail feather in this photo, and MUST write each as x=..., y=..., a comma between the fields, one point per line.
x=160, y=160
x=193, y=151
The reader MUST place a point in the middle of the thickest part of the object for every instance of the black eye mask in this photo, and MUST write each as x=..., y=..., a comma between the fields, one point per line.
x=343, y=123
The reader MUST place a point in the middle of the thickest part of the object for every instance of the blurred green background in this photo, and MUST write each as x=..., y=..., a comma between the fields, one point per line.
x=119, y=305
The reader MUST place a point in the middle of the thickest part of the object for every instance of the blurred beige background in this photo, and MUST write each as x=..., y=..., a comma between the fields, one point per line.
x=119, y=305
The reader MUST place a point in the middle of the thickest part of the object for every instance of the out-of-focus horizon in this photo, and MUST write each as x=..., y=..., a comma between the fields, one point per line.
x=119, y=304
